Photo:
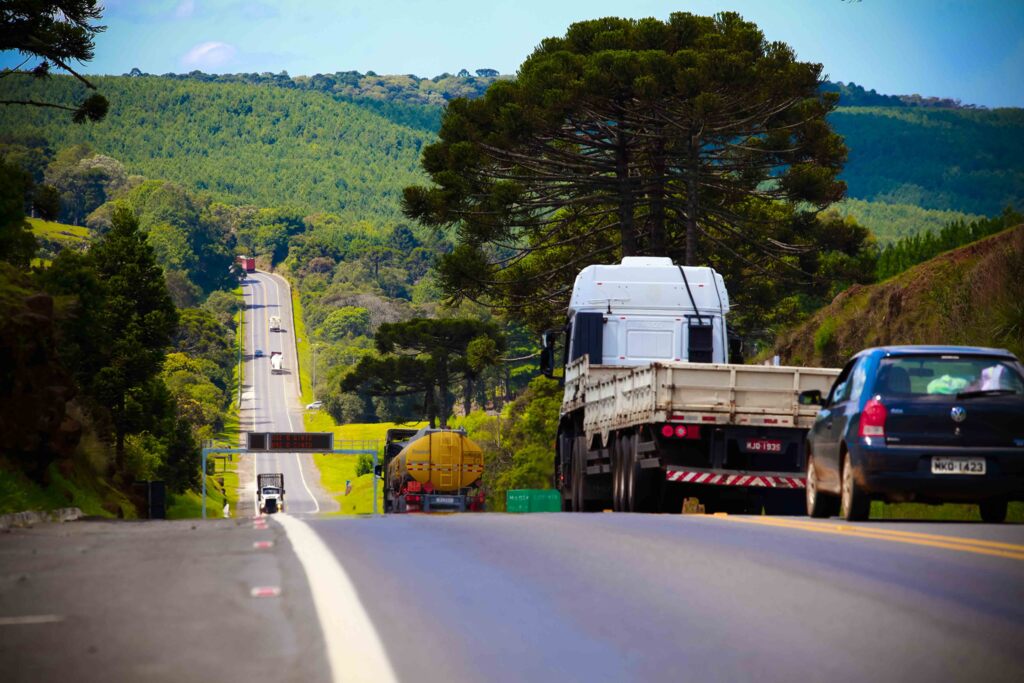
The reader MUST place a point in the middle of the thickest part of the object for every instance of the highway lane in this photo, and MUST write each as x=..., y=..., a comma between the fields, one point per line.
x=274, y=400
x=617, y=597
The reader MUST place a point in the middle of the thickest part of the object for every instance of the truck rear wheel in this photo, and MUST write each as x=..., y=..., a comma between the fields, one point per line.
x=578, y=463
x=621, y=449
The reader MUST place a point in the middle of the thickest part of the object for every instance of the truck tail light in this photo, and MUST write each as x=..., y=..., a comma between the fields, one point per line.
x=872, y=419
x=680, y=431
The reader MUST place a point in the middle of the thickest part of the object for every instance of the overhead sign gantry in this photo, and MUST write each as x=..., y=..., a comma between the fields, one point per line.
x=296, y=442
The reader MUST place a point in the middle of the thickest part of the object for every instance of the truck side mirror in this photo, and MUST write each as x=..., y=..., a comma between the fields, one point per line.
x=547, y=353
x=810, y=398
x=378, y=471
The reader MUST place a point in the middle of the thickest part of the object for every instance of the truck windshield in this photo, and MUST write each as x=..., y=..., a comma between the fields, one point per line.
x=269, y=491
x=947, y=375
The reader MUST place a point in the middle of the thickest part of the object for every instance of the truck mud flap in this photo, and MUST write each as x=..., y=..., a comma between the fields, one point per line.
x=772, y=480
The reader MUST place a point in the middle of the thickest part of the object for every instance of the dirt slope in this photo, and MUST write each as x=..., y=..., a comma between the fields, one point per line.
x=971, y=295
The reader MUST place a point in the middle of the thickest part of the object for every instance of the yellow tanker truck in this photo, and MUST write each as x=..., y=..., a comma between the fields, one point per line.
x=432, y=470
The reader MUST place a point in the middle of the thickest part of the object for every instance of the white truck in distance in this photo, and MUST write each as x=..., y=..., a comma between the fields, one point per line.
x=270, y=492
x=276, y=363
x=275, y=323
x=653, y=410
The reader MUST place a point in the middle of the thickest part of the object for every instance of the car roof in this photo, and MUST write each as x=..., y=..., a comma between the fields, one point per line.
x=927, y=349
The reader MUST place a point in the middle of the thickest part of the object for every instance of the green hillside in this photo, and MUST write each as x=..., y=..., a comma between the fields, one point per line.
x=966, y=160
x=348, y=143
x=266, y=146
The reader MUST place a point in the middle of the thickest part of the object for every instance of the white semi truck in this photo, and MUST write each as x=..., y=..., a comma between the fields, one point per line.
x=275, y=323
x=653, y=410
x=276, y=363
x=270, y=492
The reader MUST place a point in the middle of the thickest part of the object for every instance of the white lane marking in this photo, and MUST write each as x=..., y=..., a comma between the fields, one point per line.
x=298, y=461
x=287, y=412
x=354, y=648
x=31, y=619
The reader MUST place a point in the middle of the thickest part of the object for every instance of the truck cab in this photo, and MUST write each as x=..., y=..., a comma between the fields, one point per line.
x=644, y=310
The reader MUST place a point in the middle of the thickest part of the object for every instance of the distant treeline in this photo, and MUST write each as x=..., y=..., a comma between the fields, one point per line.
x=413, y=89
x=909, y=251
x=853, y=95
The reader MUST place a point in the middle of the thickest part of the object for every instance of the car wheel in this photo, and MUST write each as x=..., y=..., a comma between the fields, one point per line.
x=854, y=503
x=993, y=511
x=819, y=504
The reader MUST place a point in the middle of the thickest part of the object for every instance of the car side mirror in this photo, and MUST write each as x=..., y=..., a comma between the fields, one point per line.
x=811, y=398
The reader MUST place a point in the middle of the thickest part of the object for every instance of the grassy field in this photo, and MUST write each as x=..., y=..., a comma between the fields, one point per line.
x=335, y=470
x=58, y=232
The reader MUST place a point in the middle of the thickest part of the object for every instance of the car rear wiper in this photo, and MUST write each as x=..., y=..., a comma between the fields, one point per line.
x=985, y=392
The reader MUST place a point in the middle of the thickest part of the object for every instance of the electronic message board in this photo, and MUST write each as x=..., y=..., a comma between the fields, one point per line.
x=291, y=442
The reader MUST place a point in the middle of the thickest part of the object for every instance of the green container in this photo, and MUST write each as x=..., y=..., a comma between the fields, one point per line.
x=533, y=500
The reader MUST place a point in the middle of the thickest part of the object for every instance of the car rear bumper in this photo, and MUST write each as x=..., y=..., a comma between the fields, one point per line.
x=906, y=472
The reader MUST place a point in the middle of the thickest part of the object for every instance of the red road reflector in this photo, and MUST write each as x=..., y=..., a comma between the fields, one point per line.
x=265, y=592
x=262, y=545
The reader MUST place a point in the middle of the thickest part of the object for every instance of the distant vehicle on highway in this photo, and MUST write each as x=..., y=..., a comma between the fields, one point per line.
x=258, y=353
x=658, y=406
x=315, y=405
x=270, y=492
x=929, y=424
x=247, y=263
x=275, y=323
x=276, y=363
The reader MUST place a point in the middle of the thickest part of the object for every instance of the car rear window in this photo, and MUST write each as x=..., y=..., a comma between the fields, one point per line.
x=944, y=375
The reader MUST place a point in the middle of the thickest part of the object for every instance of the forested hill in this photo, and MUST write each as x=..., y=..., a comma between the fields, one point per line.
x=348, y=142
x=267, y=146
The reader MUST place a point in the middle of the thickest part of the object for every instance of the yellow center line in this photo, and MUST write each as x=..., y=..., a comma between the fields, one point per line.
x=960, y=540
x=967, y=545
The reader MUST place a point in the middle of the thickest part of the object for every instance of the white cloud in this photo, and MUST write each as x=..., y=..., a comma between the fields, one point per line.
x=185, y=9
x=209, y=55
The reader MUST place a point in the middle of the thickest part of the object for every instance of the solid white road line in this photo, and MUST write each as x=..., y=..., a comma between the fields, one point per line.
x=31, y=619
x=354, y=649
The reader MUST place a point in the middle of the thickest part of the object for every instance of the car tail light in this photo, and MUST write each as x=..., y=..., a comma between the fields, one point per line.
x=872, y=419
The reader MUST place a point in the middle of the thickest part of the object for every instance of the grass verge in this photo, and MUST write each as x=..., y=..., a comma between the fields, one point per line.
x=303, y=347
x=950, y=512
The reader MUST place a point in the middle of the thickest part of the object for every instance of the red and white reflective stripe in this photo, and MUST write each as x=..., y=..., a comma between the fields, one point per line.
x=766, y=481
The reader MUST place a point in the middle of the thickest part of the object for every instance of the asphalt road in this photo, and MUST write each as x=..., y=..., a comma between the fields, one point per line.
x=115, y=602
x=619, y=597
x=271, y=402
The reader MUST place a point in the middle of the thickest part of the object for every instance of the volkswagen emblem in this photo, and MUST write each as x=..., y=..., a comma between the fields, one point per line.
x=958, y=413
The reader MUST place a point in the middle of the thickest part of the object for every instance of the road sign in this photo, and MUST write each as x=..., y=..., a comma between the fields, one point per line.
x=291, y=442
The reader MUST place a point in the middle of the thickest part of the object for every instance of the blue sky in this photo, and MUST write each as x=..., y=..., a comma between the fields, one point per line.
x=971, y=49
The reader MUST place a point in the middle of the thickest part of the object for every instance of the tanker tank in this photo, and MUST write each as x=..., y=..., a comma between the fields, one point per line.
x=436, y=469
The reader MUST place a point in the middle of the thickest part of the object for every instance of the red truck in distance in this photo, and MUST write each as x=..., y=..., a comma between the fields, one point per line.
x=248, y=263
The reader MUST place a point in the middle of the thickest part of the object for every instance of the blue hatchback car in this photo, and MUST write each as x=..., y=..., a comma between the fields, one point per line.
x=930, y=424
